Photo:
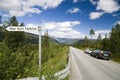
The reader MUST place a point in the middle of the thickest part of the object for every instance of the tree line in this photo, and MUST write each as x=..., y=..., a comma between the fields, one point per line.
x=111, y=42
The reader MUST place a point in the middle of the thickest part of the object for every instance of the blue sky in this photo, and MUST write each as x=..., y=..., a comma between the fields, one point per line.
x=65, y=18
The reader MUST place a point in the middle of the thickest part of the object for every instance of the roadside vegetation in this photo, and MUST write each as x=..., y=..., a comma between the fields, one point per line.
x=19, y=54
x=55, y=58
x=111, y=42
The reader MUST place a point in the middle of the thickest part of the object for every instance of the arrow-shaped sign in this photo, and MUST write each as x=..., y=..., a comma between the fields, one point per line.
x=21, y=28
x=29, y=28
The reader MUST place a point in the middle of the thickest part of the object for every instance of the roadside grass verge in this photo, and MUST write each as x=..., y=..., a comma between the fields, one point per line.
x=56, y=63
x=67, y=78
x=116, y=57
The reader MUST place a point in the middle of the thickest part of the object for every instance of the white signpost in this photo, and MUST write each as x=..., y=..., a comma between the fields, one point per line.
x=22, y=28
x=29, y=28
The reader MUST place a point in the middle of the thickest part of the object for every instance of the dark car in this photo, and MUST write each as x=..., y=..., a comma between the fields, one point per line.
x=101, y=54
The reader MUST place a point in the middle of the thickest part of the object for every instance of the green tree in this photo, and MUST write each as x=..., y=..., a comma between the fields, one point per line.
x=14, y=39
x=106, y=35
x=4, y=63
x=86, y=38
x=86, y=42
x=13, y=21
x=115, y=39
x=22, y=24
x=92, y=32
x=0, y=20
x=99, y=39
x=17, y=59
x=106, y=44
x=19, y=64
x=45, y=47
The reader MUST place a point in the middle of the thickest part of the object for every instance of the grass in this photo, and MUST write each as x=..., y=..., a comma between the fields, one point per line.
x=116, y=57
x=67, y=78
x=55, y=64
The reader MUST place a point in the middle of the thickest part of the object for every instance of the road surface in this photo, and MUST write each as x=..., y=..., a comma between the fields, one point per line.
x=85, y=67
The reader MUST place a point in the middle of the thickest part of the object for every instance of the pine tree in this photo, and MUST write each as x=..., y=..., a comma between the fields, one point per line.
x=92, y=32
x=22, y=24
x=86, y=41
x=0, y=19
x=45, y=47
x=14, y=39
x=99, y=41
x=115, y=39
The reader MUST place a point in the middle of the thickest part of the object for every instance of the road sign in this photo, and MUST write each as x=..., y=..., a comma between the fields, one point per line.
x=22, y=28
x=29, y=28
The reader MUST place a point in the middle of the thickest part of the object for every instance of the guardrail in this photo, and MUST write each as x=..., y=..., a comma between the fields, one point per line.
x=60, y=75
x=65, y=72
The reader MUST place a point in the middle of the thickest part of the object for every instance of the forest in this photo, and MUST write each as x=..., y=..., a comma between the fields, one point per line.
x=19, y=54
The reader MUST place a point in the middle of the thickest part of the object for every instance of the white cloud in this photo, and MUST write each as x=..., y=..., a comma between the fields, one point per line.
x=75, y=1
x=22, y=7
x=66, y=33
x=102, y=32
x=61, y=29
x=114, y=15
x=73, y=10
x=93, y=2
x=95, y=15
x=117, y=22
x=5, y=15
x=109, y=6
x=53, y=25
x=9, y=5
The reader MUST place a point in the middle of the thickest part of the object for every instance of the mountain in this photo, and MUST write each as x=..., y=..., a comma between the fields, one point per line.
x=29, y=38
x=54, y=41
x=32, y=38
x=70, y=41
x=82, y=40
x=67, y=41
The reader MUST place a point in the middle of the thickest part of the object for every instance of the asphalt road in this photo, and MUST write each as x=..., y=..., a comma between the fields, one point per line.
x=85, y=67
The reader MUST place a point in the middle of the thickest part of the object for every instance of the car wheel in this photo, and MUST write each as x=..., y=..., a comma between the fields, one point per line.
x=107, y=59
x=96, y=56
x=90, y=54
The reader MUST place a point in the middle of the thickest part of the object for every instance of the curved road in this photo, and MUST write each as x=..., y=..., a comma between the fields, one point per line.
x=85, y=67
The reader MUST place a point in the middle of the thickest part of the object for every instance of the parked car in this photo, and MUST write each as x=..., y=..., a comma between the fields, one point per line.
x=101, y=54
x=88, y=51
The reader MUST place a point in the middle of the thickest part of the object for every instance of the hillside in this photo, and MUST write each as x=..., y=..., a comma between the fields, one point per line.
x=67, y=41
x=30, y=38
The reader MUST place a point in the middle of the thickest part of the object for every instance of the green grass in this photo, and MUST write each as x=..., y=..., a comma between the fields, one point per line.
x=67, y=78
x=116, y=57
x=56, y=63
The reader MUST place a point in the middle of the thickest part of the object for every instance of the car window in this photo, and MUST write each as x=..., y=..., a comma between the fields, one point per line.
x=106, y=52
x=97, y=51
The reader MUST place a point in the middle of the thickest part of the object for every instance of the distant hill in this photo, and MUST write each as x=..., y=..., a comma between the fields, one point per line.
x=32, y=38
x=70, y=41
x=29, y=38
x=82, y=40
x=67, y=41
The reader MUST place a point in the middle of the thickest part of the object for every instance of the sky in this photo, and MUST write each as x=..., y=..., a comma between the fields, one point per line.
x=65, y=18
